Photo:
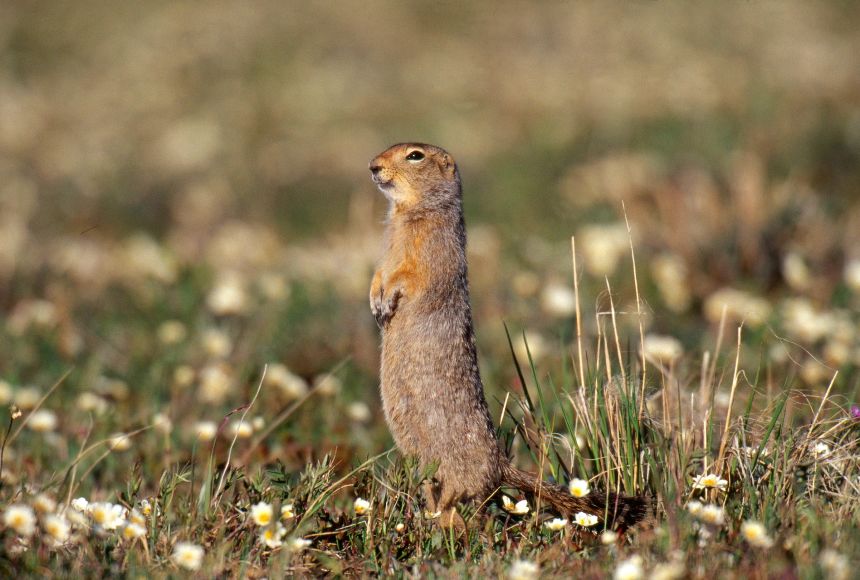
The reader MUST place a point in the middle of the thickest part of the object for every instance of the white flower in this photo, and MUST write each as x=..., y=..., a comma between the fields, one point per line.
x=428, y=515
x=133, y=531
x=608, y=537
x=668, y=571
x=756, y=534
x=81, y=504
x=555, y=524
x=272, y=536
x=135, y=517
x=44, y=503
x=835, y=564
x=558, y=300
x=709, y=481
x=695, y=508
x=519, y=508
x=578, y=487
x=171, y=332
x=42, y=421
x=262, y=513
x=187, y=555
x=665, y=349
x=399, y=527
x=821, y=450
x=359, y=412
x=90, y=402
x=120, y=442
x=57, y=527
x=205, y=430
x=5, y=392
x=361, y=506
x=228, y=296
x=26, y=398
x=20, y=518
x=712, y=514
x=215, y=383
x=629, y=569
x=584, y=519
x=216, y=342
x=523, y=570
x=240, y=429
x=852, y=274
x=299, y=544
x=162, y=423
x=257, y=423
x=288, y=511
x=109, y=516
x=291, y=386
x=327, y=385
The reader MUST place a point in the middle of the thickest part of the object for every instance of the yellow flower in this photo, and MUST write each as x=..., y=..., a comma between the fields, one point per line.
x=20, y=518
x=262, y=513
x=709, y=481
x=756, y=534
x=288, y=511
x=585, y=520
x=578, y=487
x=187, y=555
x=555, y=524
x=57, y=527
x=137, y=518
x=519, y=508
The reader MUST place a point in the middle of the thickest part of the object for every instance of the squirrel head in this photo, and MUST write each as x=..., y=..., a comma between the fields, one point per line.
x=416, y=176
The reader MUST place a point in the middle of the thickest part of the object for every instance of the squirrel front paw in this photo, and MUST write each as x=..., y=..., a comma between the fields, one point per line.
x=383, y=307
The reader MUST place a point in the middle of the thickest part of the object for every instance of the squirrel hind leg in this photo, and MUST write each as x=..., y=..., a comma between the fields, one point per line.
x=450, y=518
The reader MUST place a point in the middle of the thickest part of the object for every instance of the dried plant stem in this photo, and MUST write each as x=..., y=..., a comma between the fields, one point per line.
x=578, y=313
x=725, y=437
x=638, y=313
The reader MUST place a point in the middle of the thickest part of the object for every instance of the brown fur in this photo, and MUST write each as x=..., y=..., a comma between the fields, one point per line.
x=432, y=393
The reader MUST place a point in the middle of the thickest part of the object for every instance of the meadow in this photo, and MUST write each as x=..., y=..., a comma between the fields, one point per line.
x=663, y=211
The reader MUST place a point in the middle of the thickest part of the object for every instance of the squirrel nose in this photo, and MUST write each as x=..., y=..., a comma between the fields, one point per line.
x=375, y=168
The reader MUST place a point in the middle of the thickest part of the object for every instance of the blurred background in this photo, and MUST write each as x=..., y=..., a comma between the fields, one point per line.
x=184, y=194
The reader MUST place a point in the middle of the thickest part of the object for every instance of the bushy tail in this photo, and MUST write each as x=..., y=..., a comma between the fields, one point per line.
x=614, y=511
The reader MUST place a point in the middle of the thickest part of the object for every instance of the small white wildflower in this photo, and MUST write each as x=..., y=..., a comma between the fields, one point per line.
x=90, y=402
x=216, y=342
x=26, y=398
x=187, y=555
x=262, y=513
x=183, y=376
x=299, y=544
x=258, y=423
x=665, y=349
x=327, y=385
x=400, y=527
x=695, y=508
x=852, y=274
x=162, y=423
x=578, y=487
x=835, y=564
x=145, y=507
x=358, y=412
x=228, y=296
x=135, y=517
x=713, y=514
x=558, y=300
x=6, y=392
x=172, y=332
x=216, y=382
x=290, y=385
x=273, y=536
x=205, y=430
x=81, y=504
x=43, y=421
x=519, y=508
x=133, y=531
x=523, y=570
x=608, y=537
x=629, y=569
x=428, y=515
x=585, y=520
x=709, y=481
x=20, y=518
x=57, y=527
x=756, y=534
x=288, y=511
x=240, y=429
x=668, y=571
x=555, y=524
x=361, y=506
x=44, y=503
x=821, y=450
x=119, y=442
x=108, y=515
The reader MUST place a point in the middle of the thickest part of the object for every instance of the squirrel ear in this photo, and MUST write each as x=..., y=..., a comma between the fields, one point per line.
x=447, y=165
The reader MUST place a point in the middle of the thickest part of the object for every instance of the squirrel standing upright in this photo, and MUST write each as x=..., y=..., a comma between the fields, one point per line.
x=431, y=388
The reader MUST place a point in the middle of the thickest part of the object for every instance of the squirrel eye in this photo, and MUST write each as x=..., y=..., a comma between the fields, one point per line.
x=415, y=156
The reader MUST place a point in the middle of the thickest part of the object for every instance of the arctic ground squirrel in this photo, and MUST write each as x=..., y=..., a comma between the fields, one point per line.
x=431, y=388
